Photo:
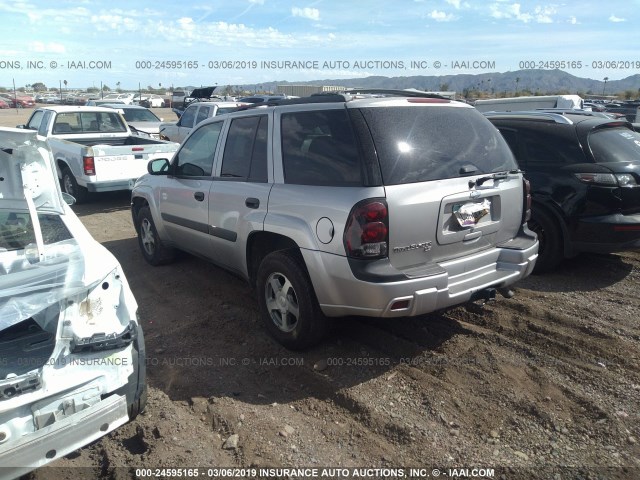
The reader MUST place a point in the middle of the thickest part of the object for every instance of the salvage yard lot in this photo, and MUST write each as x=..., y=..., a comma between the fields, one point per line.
x=541, y=384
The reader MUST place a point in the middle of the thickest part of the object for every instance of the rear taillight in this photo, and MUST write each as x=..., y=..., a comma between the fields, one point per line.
x=526, y=210
x=88, y=165
x=366, y=234
x=607, y=179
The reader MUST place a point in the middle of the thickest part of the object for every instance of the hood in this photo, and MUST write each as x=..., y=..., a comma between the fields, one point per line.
x=146, y=127
x=204, y=92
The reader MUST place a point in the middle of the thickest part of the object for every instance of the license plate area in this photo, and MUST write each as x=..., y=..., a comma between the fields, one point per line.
x=470, y=214
x=460, y=216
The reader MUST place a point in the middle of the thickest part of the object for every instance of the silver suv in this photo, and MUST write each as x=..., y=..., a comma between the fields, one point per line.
x=337, y=205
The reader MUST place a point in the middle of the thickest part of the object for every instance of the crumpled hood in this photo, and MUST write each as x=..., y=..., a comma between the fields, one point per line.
x=40, y=274
x=69, y=268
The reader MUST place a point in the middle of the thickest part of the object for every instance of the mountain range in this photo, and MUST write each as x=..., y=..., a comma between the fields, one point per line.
x=534, y=81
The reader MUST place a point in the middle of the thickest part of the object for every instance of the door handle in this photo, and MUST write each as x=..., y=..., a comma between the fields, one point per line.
x=199, y=196
x=252, y=202
x=472, y=235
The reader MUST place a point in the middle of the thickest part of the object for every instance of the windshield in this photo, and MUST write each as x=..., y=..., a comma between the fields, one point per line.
x=139, y=115
x=418, y=144
x=84, y=122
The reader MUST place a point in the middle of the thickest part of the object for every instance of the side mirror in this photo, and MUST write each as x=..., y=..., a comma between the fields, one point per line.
x=159, y=166
x=68, y=199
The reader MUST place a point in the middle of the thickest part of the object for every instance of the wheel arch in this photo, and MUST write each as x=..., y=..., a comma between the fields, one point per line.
x=62, y=164
x=136, y=204
x=260, y=244
x=555, y=214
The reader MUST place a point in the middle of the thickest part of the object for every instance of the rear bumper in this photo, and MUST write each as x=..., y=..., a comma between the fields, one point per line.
x=63, y=437
x=110, y=186
x=437, y=286
x=607, y=234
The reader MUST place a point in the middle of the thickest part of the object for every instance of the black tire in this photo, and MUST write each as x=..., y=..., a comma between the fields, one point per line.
x=70, y=186
x=550, y=250
x=152, y=248
x=287, y=302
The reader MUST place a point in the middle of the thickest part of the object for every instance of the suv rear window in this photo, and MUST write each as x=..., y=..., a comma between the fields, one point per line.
x=615, y=145
x=319, y=148
x=418, y=144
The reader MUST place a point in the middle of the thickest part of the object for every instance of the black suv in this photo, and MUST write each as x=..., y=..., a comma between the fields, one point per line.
x=585, y=174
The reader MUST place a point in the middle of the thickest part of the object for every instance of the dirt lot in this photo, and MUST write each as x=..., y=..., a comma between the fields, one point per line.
x=543, y=385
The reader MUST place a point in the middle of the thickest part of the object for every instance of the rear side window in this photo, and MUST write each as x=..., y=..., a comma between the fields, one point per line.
x=245, y=151
x=423, y=143
x=615, y=145
x=319, y=148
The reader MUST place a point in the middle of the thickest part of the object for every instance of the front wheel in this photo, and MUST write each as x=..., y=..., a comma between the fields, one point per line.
x=153, y=250
x=287, y=302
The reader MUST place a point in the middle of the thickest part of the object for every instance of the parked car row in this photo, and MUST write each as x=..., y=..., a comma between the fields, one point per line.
x=17, y=101
x=70, y=98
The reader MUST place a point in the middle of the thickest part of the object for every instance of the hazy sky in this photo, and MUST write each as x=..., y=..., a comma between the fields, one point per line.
x=253, y=41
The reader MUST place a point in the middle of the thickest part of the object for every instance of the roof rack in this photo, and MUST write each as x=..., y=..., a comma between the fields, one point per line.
x=528, y=114
x=344, y=96
x=570, y=111
x=394, y=92
x=324, y=98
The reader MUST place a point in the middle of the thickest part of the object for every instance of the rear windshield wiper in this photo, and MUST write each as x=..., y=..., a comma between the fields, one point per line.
x=494, y=176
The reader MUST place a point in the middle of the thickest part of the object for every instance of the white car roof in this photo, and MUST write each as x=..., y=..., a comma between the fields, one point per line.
x=71, y=108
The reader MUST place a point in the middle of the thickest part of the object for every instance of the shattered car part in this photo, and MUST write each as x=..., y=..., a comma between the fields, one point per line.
x=72, y=356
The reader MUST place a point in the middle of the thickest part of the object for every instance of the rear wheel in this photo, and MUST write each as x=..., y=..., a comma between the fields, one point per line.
x=70, y=186
x=287, y=302
x=153, y=250
x=550, y=249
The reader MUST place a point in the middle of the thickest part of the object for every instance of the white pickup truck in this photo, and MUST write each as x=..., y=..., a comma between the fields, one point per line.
x=94, y=149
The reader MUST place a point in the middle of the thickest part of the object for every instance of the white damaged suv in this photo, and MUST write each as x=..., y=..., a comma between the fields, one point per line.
x=72, y=356
x=337, y=205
